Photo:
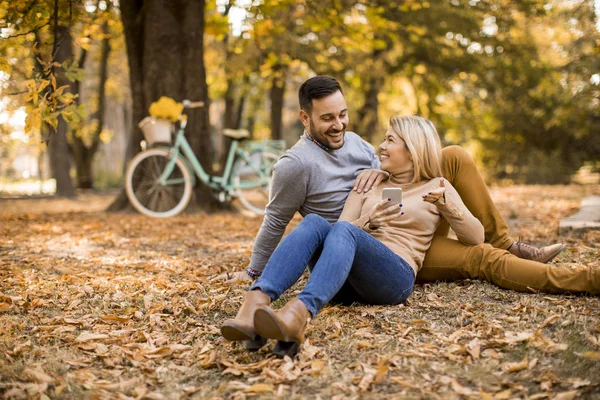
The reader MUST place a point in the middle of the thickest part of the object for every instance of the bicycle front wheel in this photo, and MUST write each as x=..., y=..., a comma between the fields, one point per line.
x=146, y=192
x=252, y=180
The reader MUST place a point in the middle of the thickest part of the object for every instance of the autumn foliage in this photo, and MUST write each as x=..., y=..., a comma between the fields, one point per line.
x=101, y=305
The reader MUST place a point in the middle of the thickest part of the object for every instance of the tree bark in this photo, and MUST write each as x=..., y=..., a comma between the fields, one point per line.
x=58, y=148
x=83, y=155
x=166, y=58
x=368, y=122
x=277, y=102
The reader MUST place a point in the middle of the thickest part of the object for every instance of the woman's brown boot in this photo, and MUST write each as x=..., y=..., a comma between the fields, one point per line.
x=286, y=325
x=242, y=326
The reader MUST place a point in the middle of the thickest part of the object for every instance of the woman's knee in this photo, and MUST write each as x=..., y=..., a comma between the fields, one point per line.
x=456, y=155
x=343, y=226
x=317, y=222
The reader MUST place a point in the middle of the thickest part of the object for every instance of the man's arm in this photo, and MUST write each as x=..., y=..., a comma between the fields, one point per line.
x=288, y=193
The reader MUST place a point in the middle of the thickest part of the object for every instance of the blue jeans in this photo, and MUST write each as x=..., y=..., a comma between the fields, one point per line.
x=346, y=254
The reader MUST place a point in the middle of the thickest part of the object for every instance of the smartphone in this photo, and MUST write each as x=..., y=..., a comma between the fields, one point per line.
x=392, y=193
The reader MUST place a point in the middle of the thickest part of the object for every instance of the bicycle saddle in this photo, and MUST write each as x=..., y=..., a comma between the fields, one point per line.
x=236, y=134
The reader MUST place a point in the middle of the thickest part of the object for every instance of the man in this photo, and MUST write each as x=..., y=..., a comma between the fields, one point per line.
x=317, y=173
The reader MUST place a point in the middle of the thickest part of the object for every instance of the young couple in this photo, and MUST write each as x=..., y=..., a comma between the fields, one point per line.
x=375, y=250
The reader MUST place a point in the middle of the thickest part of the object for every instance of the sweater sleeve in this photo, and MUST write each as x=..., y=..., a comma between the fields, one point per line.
x=288, y=193
x=352, y=209
x=468, y=229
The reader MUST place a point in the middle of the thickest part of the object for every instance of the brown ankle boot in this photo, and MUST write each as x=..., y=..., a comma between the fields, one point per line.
x=242, y=326
x=543, y=254
x=287, y=324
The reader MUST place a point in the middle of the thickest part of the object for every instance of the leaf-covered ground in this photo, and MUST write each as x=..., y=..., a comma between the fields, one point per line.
x=103, y=306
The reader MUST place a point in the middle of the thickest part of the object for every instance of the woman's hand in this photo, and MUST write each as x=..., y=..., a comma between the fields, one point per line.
x=436, y=194
x=383, y=213
x=368, y=179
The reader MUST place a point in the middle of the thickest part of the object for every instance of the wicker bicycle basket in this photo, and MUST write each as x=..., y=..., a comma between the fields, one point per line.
x=156, y=130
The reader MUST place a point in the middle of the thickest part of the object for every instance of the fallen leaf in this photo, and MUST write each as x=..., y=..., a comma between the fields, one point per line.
x=505, y=394
x=259, y=388
x=317, y=366
x=114, y=318
x=473, y=348
x=37, y=375
x=570, y=395
x=549, y=321
x=515, y=367
x=591, y=355
x=88, y=336
x=458, y=388
x=381, y=373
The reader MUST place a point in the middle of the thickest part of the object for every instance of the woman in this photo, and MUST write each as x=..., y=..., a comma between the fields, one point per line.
x=375, y=248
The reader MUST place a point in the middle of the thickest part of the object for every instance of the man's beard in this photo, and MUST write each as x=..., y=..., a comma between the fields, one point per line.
x=313, y=130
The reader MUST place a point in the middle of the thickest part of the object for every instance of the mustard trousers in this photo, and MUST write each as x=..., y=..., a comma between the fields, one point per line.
x=449, y=260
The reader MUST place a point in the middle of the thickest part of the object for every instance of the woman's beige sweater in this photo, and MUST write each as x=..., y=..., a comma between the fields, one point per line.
x=410, y=235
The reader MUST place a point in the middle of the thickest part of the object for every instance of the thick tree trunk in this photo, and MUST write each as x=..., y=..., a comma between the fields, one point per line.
x=83, y=167
x=277, y=102
x=166, y=58
x=228, y=121
x=132, y=17
x=83, y=155
x=60, y=163
x=368, y=122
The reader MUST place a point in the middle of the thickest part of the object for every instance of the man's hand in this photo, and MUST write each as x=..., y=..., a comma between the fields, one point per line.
x=368, y=179
x=232, y=277
x=436, y=194
x=383, y=213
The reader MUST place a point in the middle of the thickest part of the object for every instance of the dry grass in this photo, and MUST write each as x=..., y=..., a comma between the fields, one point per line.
x=96, y=305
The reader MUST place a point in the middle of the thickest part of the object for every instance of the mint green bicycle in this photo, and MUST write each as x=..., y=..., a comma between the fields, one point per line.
x=159, y=181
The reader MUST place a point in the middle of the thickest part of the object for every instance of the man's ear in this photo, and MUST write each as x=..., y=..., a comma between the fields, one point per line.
x=305, y=118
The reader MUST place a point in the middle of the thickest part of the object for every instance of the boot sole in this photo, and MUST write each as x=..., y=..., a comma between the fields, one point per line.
x=235, y=333
x=267, y=325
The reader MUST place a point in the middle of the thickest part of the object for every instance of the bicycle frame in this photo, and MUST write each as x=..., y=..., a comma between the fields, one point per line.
x=220, y=183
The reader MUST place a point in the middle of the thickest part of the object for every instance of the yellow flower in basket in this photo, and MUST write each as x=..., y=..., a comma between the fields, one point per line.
x=166, y=108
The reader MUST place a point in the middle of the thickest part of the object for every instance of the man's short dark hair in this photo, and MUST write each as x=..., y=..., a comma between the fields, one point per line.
x=316, y=88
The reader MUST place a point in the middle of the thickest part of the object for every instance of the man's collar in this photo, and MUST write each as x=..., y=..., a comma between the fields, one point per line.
x=315, y=141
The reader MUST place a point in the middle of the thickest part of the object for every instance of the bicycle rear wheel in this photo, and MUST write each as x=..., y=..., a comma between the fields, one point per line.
x=252, y=180
x=147, y=194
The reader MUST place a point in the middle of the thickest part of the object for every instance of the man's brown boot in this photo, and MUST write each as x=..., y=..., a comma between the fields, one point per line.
x=529, y=252
x=286, y=325
x=242, y=326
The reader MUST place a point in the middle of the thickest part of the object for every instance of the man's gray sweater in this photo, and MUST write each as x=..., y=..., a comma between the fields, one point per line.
x=310, y=180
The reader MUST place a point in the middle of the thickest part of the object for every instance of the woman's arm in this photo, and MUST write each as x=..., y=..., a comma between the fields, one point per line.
x=468, y=229
x=368, y=220
x=351, y=211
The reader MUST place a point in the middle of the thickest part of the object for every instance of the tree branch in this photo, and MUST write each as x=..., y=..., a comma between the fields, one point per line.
x=25, y=33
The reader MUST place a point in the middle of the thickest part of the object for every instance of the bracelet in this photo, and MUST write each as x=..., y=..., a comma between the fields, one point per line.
x=253, y=273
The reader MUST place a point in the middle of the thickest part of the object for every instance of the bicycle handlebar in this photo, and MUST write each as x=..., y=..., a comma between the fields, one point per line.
x=192, y=104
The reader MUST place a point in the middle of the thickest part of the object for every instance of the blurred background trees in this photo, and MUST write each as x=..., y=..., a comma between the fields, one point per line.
x=515, y=82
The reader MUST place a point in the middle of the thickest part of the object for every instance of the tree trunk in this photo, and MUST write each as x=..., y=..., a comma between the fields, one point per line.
x=58, y=147
x=228, y=121
x=83, y=155
x=83, y=166
x=368, y=122
x=166, y=58
x=277, y=102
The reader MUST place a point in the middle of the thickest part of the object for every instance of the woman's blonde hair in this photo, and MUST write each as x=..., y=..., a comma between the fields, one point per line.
x=423, y=144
